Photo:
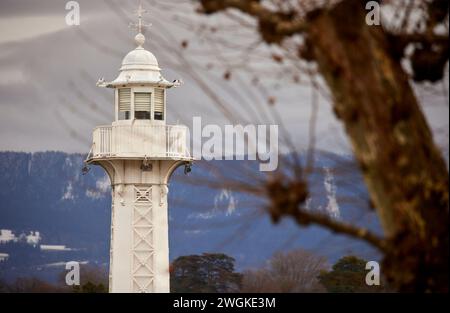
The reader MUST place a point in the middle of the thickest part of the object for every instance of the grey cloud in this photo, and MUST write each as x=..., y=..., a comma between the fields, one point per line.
x=55, y=104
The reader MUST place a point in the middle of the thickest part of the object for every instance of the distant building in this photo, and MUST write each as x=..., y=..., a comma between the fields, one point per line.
x=4, y=257
x=7, y=235
x=33, y=238
x=54, y=248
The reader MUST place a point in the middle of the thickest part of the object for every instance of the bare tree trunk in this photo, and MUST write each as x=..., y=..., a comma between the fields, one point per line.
x=403, y=169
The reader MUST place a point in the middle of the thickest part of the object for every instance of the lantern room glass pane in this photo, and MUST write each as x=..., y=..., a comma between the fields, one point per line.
x=142, y=105
x=124, y=100
x=159, y=104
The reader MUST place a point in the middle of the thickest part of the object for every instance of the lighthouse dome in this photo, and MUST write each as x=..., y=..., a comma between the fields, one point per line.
x=140, y=59
x=139, y=66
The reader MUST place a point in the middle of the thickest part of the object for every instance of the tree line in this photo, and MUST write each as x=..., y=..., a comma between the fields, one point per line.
x=285, y=272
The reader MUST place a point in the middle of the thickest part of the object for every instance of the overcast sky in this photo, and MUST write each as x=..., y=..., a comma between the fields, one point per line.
x=48, y=71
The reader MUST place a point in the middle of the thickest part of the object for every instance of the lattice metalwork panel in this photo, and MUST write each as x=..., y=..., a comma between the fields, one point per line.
x=142, y=240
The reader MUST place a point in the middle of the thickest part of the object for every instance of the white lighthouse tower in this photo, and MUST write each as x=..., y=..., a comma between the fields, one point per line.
x=139, y=152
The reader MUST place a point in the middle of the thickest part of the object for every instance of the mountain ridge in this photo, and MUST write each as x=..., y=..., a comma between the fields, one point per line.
x=46, y=192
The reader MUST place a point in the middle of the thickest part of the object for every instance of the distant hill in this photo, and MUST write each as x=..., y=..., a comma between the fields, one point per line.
x=46, y=192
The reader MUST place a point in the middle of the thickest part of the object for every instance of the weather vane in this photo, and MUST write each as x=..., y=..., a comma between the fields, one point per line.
x=140, y=24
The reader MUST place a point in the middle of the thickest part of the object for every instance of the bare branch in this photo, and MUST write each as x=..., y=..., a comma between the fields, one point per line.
x=273, y=26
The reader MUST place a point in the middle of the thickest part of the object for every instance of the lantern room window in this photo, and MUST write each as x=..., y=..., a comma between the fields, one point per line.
x=142, y=105
x=124, y=103
x=159, y=104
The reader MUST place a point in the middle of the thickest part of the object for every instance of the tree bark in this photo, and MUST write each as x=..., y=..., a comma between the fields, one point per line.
x=404, y=170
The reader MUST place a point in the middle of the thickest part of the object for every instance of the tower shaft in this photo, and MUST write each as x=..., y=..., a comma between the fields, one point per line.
x=139, y=251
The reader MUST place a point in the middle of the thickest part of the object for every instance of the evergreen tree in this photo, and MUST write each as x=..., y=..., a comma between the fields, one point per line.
x=209, y=272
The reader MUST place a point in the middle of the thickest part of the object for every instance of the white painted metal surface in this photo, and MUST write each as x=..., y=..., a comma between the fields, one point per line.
x=139, y=157
x=139, y=251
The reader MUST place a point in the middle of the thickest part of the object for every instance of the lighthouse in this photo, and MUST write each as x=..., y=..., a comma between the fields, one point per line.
x=139, y=152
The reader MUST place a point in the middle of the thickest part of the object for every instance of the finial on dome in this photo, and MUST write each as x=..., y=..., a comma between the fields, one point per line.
x=140, y=38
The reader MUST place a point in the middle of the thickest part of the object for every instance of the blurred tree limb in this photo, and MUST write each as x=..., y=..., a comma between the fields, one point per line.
x=405, y=172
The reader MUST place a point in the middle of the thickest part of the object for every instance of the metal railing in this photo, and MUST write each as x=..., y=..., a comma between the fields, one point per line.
x=152, y=141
